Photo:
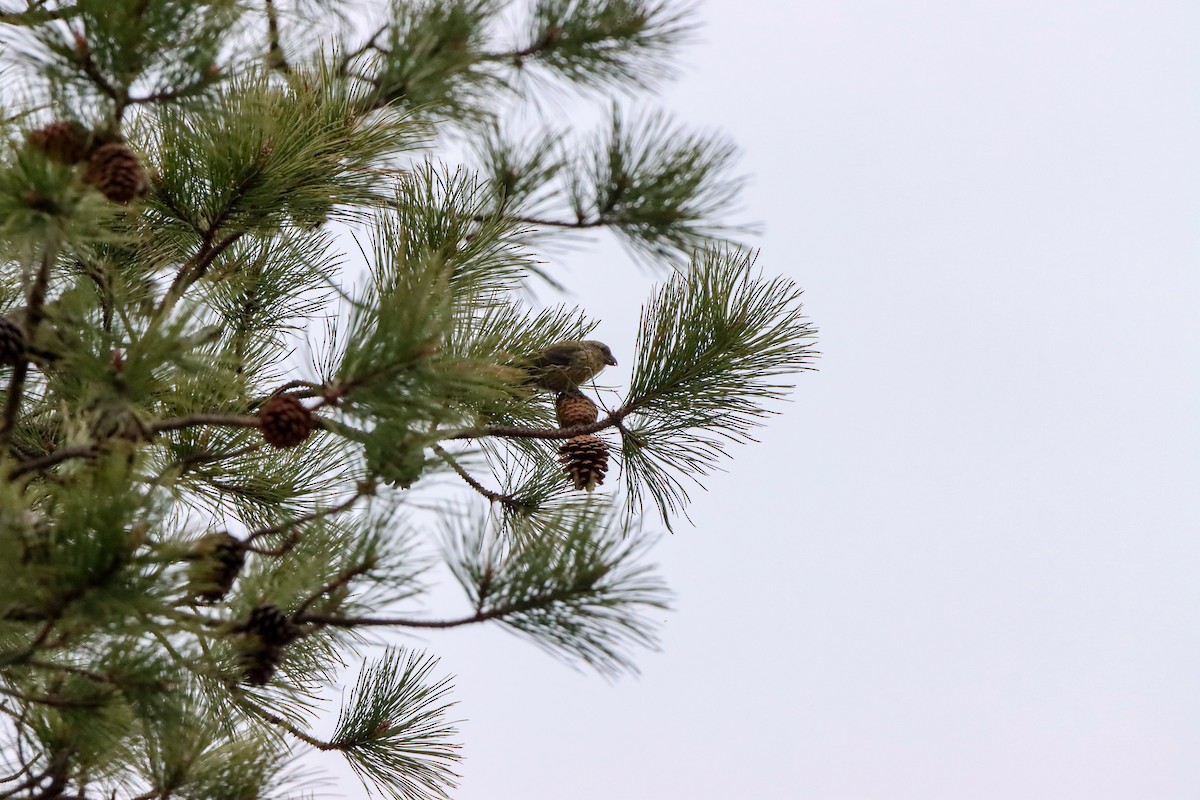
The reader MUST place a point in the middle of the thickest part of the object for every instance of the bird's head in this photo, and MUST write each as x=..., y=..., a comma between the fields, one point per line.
x=604, y=351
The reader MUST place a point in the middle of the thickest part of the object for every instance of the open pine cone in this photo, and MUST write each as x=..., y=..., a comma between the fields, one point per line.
x=585, y=460
x=64, y=142
x=575, y=408
x=115, y=170
x=285, y=422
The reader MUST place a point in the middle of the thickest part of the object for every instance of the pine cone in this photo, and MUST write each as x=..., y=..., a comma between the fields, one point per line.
x=65, y=142
x=284, y=421
x=585, y=460
x=269, y=624
x=264, y=634
x=12, y=342
x=258, y=664
x=115, y=170
x=574, y=408
x=216, y=560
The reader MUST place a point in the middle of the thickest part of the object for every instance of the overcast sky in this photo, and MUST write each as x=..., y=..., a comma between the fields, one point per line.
x=964, y=563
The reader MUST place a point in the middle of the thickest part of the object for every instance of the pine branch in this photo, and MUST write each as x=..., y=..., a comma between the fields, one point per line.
x=52, y=700
x=393, y=729
x=662, y=188
x=714, y=346
x=430, y=61
x=570, y=581
x=604, y=42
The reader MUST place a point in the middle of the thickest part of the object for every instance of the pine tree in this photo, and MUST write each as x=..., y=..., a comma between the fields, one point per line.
x=217, y=439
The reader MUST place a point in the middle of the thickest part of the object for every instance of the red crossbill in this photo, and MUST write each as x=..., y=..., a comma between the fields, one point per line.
x=564, y=366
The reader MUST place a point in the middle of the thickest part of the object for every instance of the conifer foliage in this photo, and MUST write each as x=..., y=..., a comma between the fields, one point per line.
x=221, y=436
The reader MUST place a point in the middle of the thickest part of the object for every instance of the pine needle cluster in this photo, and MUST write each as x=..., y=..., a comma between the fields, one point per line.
x=226, y=455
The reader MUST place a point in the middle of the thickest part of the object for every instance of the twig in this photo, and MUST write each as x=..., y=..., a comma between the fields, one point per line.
x=42, y=635
x=495, y=497
x=93, y=74
x=479, y=616
x=310, y=517
x=332, y=586
x=167, y=95
x=53, y=770
x=516, y=432
x=311, y=390
x=282, y=723
x=186, y=618
x=596, y=222
x=196, y=266
x=275, y=57
x=288, y=545
x=12, y=776
x=50, y=459
x=400, y=622
x=54, y=701
x=368, y=45
x=209, y=457
x=36, y=16
x=28, y=783
x=95, y=677
x=546, y=41
x=194, y=420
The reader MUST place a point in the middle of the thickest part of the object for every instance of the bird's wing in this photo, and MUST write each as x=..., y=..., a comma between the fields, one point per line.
x=551, y=357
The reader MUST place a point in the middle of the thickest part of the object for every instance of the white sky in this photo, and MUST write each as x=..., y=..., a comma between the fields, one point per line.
x=965, y=562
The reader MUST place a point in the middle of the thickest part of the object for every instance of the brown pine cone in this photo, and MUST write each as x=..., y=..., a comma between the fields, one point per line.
x=574, y=408
x=115, y=170
x=12, y=342
x=216, y=560
x=270, y=624
x=64, y=142
x=264, y=634
x=285, y=422
x=585, y=460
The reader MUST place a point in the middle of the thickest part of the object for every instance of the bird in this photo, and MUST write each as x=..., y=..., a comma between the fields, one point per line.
x=563, y=366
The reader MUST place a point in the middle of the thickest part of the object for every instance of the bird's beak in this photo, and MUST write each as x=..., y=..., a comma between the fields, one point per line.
x=612, y=362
